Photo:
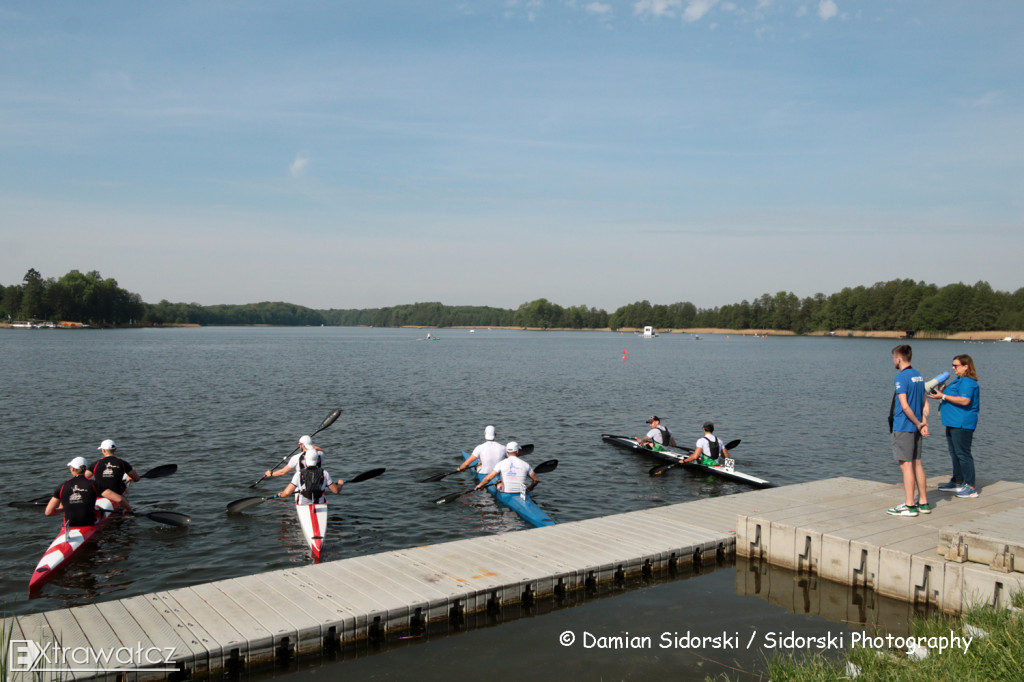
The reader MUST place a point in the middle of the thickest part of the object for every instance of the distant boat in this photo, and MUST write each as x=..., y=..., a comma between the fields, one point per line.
x=649, y=333
x=472, y=331
x=22, y=325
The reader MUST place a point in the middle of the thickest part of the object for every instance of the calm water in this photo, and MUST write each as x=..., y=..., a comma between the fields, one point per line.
x=225, y=404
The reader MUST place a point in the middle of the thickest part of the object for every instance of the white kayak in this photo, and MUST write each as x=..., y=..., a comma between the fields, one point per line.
x=313, y=519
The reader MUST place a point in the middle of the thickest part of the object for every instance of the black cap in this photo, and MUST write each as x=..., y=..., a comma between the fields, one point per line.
x=653, y=419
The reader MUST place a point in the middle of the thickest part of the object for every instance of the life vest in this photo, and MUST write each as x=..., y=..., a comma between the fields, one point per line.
x=311, y=483
x=666, y=435
x=714, y=447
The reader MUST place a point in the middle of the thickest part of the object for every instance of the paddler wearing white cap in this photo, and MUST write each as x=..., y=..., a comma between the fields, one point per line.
x=110, y=471
x=514, y=472
x=297, y=462
x=487, y=454
x=77, y=496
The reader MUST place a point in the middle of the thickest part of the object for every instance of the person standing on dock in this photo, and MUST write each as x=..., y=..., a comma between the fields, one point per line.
x=311, y=482
x=658, y=434
x=909, y=426
x=487, y=454
x=514, y=472
x=297, y=461
x=709, y=448
x=959, y=403
x=77, y=496
x=110, y=471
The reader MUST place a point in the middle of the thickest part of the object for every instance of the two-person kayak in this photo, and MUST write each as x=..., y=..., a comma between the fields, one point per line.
x=670, y=456
x=69, y=541
x=520, y=503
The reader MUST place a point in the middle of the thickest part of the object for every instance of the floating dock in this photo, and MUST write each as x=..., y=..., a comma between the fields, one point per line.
x=836, y=529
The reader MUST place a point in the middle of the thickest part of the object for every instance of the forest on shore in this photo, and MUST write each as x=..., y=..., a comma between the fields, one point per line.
x=894, y=305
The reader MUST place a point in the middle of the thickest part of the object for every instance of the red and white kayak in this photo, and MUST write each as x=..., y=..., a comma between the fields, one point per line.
x=313, y=519
x=68, y=542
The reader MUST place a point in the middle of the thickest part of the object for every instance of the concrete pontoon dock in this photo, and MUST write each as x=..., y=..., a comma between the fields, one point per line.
x=836, y=528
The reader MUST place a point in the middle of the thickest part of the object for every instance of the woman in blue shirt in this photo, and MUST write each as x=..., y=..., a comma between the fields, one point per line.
x=958, y=404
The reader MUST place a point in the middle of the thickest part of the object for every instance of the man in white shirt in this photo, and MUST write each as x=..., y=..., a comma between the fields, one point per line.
x=514, y=472
x=487, y=454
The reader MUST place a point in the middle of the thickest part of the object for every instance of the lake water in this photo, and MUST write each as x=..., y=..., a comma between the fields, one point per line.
x=227, y=403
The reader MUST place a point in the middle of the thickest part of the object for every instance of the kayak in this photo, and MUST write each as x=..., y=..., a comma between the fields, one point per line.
x=670, y=456
x=313, y=519
x=521, y=504
x=68, y=542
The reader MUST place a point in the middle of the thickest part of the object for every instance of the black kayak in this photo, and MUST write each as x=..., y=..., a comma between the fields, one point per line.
x=674, y=457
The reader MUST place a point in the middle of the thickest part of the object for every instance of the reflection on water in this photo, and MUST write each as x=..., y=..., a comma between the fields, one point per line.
x=729, y=617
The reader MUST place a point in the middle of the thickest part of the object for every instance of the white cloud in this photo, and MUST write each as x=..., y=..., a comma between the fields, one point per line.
x=657, y=8
x=298, y=166
x=827, y=9
x=801, y=11
x=602, y=8
x=696, y=10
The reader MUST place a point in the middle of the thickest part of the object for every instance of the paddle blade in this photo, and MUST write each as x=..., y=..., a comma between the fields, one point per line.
x=662, y=468
x=366, y=475
x=525, y=449
x=453, y=496
x=246, y=503
x=160, y=471
x=170, y=518
x=331, y=418
x=731, y=444
x=29, y=504
x=545, y=467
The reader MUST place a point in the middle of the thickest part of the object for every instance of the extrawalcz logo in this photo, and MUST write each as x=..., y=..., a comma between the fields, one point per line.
x=27, y=656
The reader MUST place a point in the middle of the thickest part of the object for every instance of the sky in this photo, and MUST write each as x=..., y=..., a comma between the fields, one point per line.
x=360, y=154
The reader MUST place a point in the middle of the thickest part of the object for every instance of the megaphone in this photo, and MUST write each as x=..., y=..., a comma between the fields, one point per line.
x=930, y=385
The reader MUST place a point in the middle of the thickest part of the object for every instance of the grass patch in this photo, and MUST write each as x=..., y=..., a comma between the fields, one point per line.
x=994, y=642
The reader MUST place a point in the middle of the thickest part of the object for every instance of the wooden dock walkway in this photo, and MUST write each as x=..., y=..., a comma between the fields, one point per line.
x=962, y=553
x=836, y=528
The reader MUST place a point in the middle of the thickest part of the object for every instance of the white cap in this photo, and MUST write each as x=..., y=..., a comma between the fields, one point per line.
x=489, y=433
x=512, y=446
x=312, y=457
x=78, y=463
x=106, y=445
x=305, y=440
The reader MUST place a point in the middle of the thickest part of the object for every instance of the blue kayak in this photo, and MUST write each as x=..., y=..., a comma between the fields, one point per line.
x=520, y=504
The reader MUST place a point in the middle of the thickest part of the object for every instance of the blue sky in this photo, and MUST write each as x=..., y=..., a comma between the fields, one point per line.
x=364, y=154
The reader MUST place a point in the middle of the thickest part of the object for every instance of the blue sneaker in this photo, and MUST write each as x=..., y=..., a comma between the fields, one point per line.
x=950, y=487
x=967, y=491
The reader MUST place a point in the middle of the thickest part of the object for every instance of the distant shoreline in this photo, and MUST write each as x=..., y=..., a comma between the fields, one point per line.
x=843, y=333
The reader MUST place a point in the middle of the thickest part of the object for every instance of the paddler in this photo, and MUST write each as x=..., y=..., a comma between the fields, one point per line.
x=658, y=434
x=514, y=472
x=110, y=471
x=709, y=447
x=77, y=496
x=297, y=461
x=487, y=454
x=311, y=482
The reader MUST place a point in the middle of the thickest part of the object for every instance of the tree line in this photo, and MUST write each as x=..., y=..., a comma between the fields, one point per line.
x=895, y=305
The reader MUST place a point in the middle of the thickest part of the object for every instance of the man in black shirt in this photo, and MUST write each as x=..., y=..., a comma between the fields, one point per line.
x=110, y=470
x=77, y=496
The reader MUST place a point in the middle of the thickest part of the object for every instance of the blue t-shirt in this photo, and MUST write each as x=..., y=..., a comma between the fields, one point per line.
x=959, y=416
x=910, y=382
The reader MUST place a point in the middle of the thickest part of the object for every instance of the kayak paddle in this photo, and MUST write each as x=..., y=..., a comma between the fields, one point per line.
x=542, y=468
x=662, y=468
x=523, y=450
x=168, y=517
x=330, y=419
x=248, y=502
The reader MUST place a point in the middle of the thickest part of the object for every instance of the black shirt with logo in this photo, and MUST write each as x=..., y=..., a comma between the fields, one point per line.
x=78, y=495
x=109, y=473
